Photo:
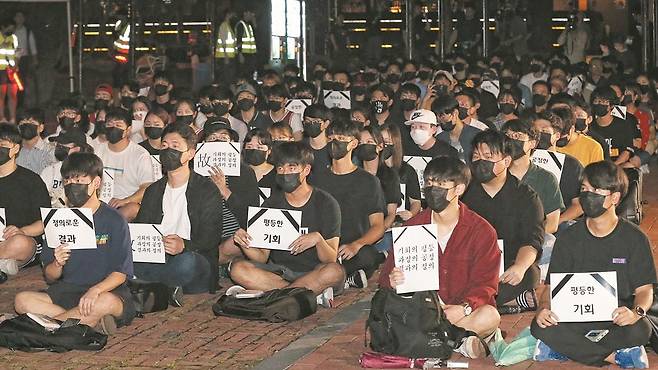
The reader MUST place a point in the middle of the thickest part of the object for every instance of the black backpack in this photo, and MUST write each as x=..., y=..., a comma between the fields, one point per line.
x=276, y=305
x=412, y=326
x=24, y=334
x=149, y=297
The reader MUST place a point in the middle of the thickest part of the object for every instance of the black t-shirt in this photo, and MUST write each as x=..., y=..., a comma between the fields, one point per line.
x=570, y=180
x=488, y=105
x=359, y=195
x=259, y=120
x=320, y=214
x=390, y=182
x=604, y=144
x=515, y=212
x=440, y=148
x=321, y=157
x=625, y=250
x=268, y=180
x=409, y=177
x=619, y=135
x=22, y=194
x=149, y=148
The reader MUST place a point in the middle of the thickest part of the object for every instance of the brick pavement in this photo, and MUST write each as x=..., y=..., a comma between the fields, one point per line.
x=191, y=337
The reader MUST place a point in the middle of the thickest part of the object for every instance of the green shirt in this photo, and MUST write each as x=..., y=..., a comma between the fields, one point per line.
x=546, y=186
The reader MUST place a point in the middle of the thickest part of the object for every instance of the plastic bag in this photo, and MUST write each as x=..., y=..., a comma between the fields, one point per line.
x=518, y=350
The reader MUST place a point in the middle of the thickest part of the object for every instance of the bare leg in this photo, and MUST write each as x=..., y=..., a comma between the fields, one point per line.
x=36, y=302
x=322, y=277
x=228, y=251
x=18, y=247
x=482, y=321
x=251, y=277
x=106, y=304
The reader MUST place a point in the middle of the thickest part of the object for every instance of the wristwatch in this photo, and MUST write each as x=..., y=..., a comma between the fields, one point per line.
x=640, y=311
x=467, y=309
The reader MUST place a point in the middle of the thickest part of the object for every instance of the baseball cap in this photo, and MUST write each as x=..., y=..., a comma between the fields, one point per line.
x=104, y=87
x=446, y=74
x=245, y=87
x=422, y=116
x=217, y=124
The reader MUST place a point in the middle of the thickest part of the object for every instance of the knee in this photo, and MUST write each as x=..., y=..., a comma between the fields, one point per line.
x=22, y=302
x=333, y=272
x=21, y=243
x=240, y=270
x=488, y=316
x=107, y=304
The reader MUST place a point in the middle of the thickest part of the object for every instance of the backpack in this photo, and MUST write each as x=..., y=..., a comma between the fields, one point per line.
x=24, y=334
x=412, y=326
x=149, y=297
x=276, y=305
x=630, y=208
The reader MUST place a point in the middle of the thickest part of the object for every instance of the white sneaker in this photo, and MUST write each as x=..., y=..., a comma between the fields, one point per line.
x=235, y=289
x=9, y=266
x=472, y=347
x=326, y=299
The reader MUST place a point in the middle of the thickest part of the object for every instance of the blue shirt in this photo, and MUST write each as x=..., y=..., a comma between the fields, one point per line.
x=113, y=253
x=465, y=140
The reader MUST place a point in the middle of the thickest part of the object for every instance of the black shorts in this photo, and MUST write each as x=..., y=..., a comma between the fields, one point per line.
x=67, y=296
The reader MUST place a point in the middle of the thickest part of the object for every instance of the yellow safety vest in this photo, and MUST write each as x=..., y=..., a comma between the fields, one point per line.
x=225, y=42
x=248, y=40
x=8, y=46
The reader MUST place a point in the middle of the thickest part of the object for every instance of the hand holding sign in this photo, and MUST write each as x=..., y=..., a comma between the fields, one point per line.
x=225, y=155
x=62, y=254
x=417, y=257
x=174, y=244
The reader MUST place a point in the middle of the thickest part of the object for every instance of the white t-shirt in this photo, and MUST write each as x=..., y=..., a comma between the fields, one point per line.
x=175, y=219
x=52, y=177
x=136, y=131
x=130, y=168
x=529, y=79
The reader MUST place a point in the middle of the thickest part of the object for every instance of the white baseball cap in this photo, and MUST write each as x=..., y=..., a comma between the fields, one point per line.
x=422, y=116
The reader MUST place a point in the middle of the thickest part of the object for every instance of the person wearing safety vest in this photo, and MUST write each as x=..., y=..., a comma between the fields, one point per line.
x=246, y=43
x=8, y=70
x=225, y=48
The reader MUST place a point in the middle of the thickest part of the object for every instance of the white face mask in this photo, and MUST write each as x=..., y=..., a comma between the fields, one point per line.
x=420, y=137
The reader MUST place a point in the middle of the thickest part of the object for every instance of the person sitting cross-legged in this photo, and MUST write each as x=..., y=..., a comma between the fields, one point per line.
x=87, y=284
x=310, y=261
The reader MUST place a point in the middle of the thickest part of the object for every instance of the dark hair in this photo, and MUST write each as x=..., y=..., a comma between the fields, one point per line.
x=10, y=133
x=132, y=85
x=220, y=93
x=263, y=136
x=513, y=93
x=606, y=175
x=68, y=104
x=293, y=152
x=82, y=164
x=554, y=119
x=277, y=90
x=161, y=75
x=444, y=168
x=36, y=114
x=185, y=131
x=471, y=95
x=521, y=126
x=409, y=87
x=567, y=119
x=345, y=128
x=305, y=87
x=444, y=104
x=562, y=98
x=396, y=138
x=160, y=113
x=604, y=93
x=494, y=139
x=118, y=114
x=318, y=111
x=281, y=126
x=543, y=83
x=342, y=71
x=384, y=89
x=187, y=101
x=291, y=67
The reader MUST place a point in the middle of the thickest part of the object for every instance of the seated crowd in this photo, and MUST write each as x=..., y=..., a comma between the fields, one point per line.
x=440, y=150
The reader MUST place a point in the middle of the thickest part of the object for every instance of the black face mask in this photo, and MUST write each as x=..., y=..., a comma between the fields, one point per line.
x=154, y=133
x=160, y=89
x=447, y=125
x=28, y=131
x=312, y=129
x=219, y=109
x=61, y=152
x=459, y=67
x=387, y=152
x=127, y=101
x=538, y=100
x=206, y=108
x=100, y=104
x=66, y=123
x=581, y=124
x=114, y=134
x=507, y=108
x=327, y=85
x=358, y=90
x=393, y=78
x=544, y=141
x=338, y=149
x=463, y=113
x=370, y=77
x=254, y=157
x=366, y=152
x=77, y=194
x=496, y=66
x=592, y=204
x=274, y=105
x=317, y=75
x=170, y=159
x=644, y=89
x=99, y=127
x=483, y=170
x=562, y=142
x=599, y=110
x=535, y=68
x=424, y=75
x=517, y=148
x=440, y=89
x=408, y=76
x=627, y=100
x=185, y=120
x=4, y=155
x=379, y=106
x=408, y=104
x=436, y=198
x=245, y=104
x=288, y=182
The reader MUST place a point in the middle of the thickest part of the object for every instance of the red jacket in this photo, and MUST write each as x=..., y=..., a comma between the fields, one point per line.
x=469, y=266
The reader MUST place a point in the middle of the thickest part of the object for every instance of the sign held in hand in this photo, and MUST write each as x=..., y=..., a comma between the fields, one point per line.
x=585, y=296
x=71, y=226
x=146, y=242
x=273, y=228
x=225, y=155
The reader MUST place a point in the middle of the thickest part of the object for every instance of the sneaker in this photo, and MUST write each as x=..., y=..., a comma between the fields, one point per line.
x=632, y=358
x=176, y=296
x=357, y=280
x=9, y=266
x=106, y=325
x=326, y=299
x=235, y=289
x=472, y=347
x=545, y=353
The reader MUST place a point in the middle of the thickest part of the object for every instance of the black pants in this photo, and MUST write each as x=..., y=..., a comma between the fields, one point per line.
x=569, y=339
x=367, y=259
x=508, y=292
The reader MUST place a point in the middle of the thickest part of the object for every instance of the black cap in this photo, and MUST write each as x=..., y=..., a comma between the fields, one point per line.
x=217, y=124
x=73, y=136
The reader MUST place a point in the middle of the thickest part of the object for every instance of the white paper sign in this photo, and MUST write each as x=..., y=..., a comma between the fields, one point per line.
x=298, y=105
x=552, y=162
x=146, y=242
x=273, y=228
x=263, y=194
x=403, y=194
x=337, y=99
x=107, y=186
x=584, y=297
x=501, y=246
x=224, y=155
x=157, y=166
x=491, y=86
x=73, y=226
x=419, y=164
x=619, y=111
x=3, y=223
x=416, y=250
